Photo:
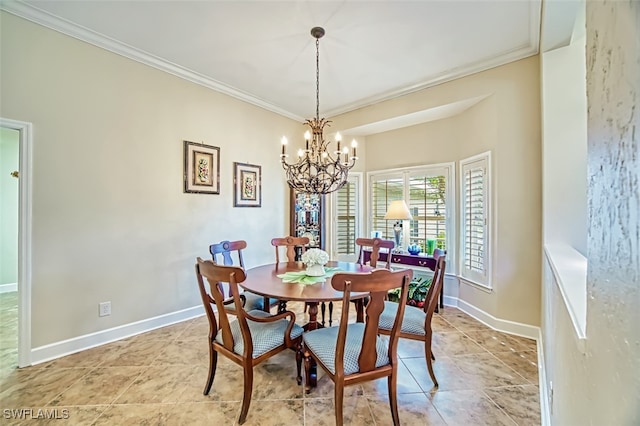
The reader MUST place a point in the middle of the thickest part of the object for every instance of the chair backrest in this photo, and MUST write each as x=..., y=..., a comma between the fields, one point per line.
x=438, y=252
x=290, y=243
x=377, y=283
x=431, y=300
x=216, y=275
x=225, y=249
x=375, y=244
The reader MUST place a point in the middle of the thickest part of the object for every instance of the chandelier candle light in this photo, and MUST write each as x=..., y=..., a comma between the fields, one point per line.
x=316, y=170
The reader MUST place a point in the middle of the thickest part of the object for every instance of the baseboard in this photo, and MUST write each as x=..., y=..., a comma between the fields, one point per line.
x=505, y=326
x=88, y=341
x=450, y=301
x=8, y=288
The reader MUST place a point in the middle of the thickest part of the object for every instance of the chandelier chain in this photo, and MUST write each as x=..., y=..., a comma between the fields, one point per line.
x=317, y=78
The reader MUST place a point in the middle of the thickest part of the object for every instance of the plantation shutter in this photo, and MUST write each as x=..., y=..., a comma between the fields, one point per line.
x=474, y=220
x=384, y=190
x=428, y=208
x=346, y=218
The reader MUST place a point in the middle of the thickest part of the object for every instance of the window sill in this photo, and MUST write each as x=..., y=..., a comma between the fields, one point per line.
x=475, y=284
x=569, y=268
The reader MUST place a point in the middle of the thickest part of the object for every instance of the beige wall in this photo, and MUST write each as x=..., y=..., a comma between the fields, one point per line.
x=507, y=123
x=600, y=384
x=110, y=219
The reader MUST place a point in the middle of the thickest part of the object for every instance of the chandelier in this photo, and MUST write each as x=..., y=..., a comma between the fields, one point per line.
x=318, y=171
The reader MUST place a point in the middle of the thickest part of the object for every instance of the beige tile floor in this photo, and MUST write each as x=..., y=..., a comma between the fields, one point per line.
x=156, y=378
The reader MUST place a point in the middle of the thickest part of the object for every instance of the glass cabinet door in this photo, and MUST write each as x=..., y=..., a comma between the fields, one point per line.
x=306, y=217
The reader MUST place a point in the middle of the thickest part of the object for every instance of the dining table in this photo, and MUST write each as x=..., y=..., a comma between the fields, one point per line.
x=267, y=280
x=273, y=281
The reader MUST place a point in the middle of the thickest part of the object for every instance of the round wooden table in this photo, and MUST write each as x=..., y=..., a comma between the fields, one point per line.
x=263, y=280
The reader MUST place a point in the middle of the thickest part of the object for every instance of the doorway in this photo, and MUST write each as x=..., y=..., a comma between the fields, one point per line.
x=15, y=245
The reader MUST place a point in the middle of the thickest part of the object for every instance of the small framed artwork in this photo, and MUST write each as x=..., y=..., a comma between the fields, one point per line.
x=201, y=168
x=247, y=185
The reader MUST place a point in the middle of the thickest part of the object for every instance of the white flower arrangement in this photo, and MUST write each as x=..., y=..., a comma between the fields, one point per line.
x=315, y=256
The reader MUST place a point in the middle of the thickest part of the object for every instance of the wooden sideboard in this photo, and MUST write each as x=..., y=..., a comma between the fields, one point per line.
x=410, y=261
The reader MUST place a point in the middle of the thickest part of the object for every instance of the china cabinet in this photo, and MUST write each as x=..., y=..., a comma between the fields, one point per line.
x=307, y=218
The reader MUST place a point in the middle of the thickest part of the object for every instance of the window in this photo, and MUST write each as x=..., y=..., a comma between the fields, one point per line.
x=427, y=194
x=346, y=218
x=474, y=204
x=425, y=190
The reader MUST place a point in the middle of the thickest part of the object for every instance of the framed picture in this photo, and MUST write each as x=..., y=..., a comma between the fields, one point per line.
x=247, y=185
x=201, y=168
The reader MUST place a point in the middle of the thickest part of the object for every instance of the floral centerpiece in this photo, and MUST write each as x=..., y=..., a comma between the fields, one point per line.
x=315, y=259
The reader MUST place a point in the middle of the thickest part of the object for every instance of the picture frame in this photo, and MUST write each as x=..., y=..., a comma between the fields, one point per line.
x=201, y=168
x=247, y=184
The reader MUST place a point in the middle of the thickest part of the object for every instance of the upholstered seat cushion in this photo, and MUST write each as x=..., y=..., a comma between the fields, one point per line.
x=412, y=323
x=253, y=301
x=322, y=343
x=265, y=335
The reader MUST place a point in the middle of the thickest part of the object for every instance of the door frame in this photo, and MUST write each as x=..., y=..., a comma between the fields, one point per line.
x=24, y=236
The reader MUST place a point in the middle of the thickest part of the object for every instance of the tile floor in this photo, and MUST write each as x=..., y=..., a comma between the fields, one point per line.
x=156, y=378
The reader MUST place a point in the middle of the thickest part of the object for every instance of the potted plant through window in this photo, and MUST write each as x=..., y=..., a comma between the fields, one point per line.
x=418, y=288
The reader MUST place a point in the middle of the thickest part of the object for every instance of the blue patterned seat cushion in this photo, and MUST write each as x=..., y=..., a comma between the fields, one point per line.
x=253, y=301
x=265, y=335
x=412, y=323
x=322, y=343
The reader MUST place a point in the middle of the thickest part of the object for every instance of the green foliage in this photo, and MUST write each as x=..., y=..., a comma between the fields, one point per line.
x=418, y=288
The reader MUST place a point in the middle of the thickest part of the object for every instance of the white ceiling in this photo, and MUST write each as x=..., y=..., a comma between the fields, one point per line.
x=262, y=51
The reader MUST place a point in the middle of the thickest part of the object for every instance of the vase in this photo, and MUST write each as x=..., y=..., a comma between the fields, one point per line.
x=315, y=270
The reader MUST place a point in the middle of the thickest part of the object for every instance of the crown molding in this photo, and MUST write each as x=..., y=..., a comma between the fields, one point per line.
x=63, y=26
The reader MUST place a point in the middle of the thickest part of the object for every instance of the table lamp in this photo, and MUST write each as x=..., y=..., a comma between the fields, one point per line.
x=398, y=211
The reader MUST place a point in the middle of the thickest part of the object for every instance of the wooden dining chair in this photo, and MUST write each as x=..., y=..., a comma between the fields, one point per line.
x=252, y=337
x=436, y=254
x=227, y=250
x=355, y=352
x=375, y=244
x=291, y=243
x=416, y=322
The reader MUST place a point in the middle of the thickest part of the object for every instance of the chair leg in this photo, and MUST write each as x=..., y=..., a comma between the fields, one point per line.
x=393, y=400
x=299, y=363
x=248, y=390
x=323, y=309
x=310, y=372
x=339, y=402
x=330, y=313
x=213, y=363
x=428, y=356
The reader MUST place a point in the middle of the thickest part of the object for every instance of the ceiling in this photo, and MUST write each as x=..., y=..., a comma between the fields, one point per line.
x=262, y=51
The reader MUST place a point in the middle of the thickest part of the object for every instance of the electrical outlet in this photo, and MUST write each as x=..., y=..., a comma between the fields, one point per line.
x=104, y=309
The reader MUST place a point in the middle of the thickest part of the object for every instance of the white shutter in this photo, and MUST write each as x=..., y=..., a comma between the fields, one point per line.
x=384, y=190
x=475, y=220
x=346, y=218
x=428, y=193
x=427, y=205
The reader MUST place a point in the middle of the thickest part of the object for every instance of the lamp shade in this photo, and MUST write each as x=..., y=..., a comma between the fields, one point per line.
x=398, y=210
